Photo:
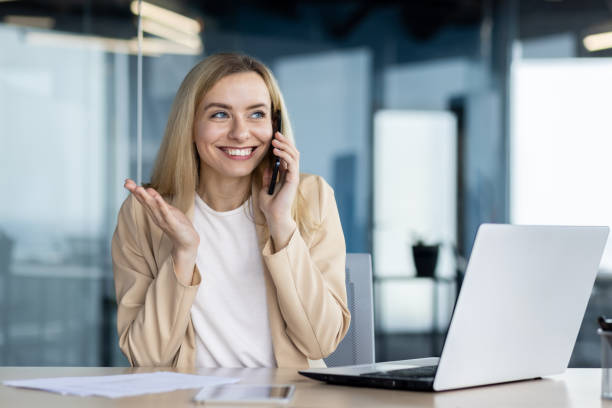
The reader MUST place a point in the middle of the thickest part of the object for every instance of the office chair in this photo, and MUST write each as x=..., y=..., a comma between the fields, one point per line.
x=357, y=347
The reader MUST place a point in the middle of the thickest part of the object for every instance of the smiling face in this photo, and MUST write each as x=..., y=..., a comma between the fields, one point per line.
x=233, y=126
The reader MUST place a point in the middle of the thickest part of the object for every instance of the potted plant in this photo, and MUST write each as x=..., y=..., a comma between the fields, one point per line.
x=425, y=258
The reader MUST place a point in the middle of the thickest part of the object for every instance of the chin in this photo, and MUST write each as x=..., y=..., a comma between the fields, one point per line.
x=239, y=172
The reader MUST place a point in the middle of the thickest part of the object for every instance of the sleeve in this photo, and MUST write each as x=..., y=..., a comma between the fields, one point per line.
x=153, y=307
x=310, y=283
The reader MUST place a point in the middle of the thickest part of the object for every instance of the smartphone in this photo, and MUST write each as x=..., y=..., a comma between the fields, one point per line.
x=276, y=127
x=245, y=394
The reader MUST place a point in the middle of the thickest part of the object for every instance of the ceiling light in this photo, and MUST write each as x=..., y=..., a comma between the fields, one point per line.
x=192, y=41
x=31, y=21
x=597, y=42
x=150, y=46
x=166, y=17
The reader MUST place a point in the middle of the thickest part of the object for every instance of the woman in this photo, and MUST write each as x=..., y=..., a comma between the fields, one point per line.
x=211, y=270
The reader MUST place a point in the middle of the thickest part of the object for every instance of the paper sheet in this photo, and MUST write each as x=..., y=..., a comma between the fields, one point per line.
x=125, y=385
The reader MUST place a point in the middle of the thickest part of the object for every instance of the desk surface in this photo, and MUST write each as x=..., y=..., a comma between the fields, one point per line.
x=576, y=388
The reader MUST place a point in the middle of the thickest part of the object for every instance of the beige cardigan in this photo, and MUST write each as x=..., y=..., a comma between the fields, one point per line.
x=305, y=287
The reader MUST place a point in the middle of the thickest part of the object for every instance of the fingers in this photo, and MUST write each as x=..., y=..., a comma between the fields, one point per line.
x=163, y=206
x=170, y=219
x=130, y=185
x=150, y=203
x=290, y=163
x=284, y=148
x=283, y=143
x=151, y=200
x=287, y=158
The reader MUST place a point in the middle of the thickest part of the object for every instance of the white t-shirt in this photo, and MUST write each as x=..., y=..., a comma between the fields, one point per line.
x=230, y=314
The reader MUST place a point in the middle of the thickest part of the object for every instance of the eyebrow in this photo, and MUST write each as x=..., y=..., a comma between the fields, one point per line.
x=225, y=106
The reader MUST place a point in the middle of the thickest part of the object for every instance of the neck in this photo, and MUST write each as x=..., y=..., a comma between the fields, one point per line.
x=222, y=193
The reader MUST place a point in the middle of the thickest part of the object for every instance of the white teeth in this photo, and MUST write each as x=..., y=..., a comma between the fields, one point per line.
x=238, y=152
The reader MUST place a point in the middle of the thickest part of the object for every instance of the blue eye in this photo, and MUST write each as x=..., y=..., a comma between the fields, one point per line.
x=219, y=114
x=258, y=114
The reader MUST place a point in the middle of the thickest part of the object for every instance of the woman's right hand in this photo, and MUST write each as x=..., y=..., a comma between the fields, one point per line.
x=174, y=223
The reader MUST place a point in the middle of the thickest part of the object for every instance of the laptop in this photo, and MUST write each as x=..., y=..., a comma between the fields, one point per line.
x=517, y=316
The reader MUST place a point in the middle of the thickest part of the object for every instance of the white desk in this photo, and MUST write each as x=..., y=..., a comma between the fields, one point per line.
x=579, y=388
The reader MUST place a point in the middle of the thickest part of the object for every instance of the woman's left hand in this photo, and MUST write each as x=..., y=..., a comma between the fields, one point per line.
x=277, y=207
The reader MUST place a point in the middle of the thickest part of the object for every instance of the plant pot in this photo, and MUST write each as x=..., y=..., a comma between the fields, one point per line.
x=425, y=259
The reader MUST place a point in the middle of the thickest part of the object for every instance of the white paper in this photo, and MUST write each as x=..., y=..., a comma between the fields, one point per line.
x=125, y=385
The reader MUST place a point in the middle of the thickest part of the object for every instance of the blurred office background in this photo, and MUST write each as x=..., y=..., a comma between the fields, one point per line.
x=427, y=118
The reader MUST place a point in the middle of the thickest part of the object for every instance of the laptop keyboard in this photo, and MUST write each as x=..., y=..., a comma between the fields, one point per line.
x=414, y=372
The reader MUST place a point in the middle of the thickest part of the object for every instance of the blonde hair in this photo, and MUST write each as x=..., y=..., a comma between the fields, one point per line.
x=176, y=169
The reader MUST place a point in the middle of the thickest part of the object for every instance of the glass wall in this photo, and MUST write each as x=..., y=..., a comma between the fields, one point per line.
x=67, y=142
x=63, y=151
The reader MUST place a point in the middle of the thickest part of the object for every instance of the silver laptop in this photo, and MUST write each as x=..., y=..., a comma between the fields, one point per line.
x=517, y=316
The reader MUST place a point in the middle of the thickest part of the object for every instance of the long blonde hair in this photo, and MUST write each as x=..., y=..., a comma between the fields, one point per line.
x=176, y=169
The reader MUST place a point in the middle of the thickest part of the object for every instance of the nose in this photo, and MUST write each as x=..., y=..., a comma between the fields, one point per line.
x=240, y=130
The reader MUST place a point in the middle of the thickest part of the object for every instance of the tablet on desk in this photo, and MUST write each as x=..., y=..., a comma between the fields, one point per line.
x=245, y=393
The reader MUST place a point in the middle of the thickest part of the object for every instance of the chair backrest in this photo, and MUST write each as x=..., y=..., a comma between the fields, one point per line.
x=357, y=347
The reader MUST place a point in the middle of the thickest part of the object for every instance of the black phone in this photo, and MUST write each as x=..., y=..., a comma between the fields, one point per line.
x=276, y=127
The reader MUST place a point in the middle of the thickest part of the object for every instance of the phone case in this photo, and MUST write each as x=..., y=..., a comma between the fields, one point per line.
x=276, y=160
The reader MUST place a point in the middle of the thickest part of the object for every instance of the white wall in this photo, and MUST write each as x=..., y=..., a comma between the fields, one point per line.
x=561, y=143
